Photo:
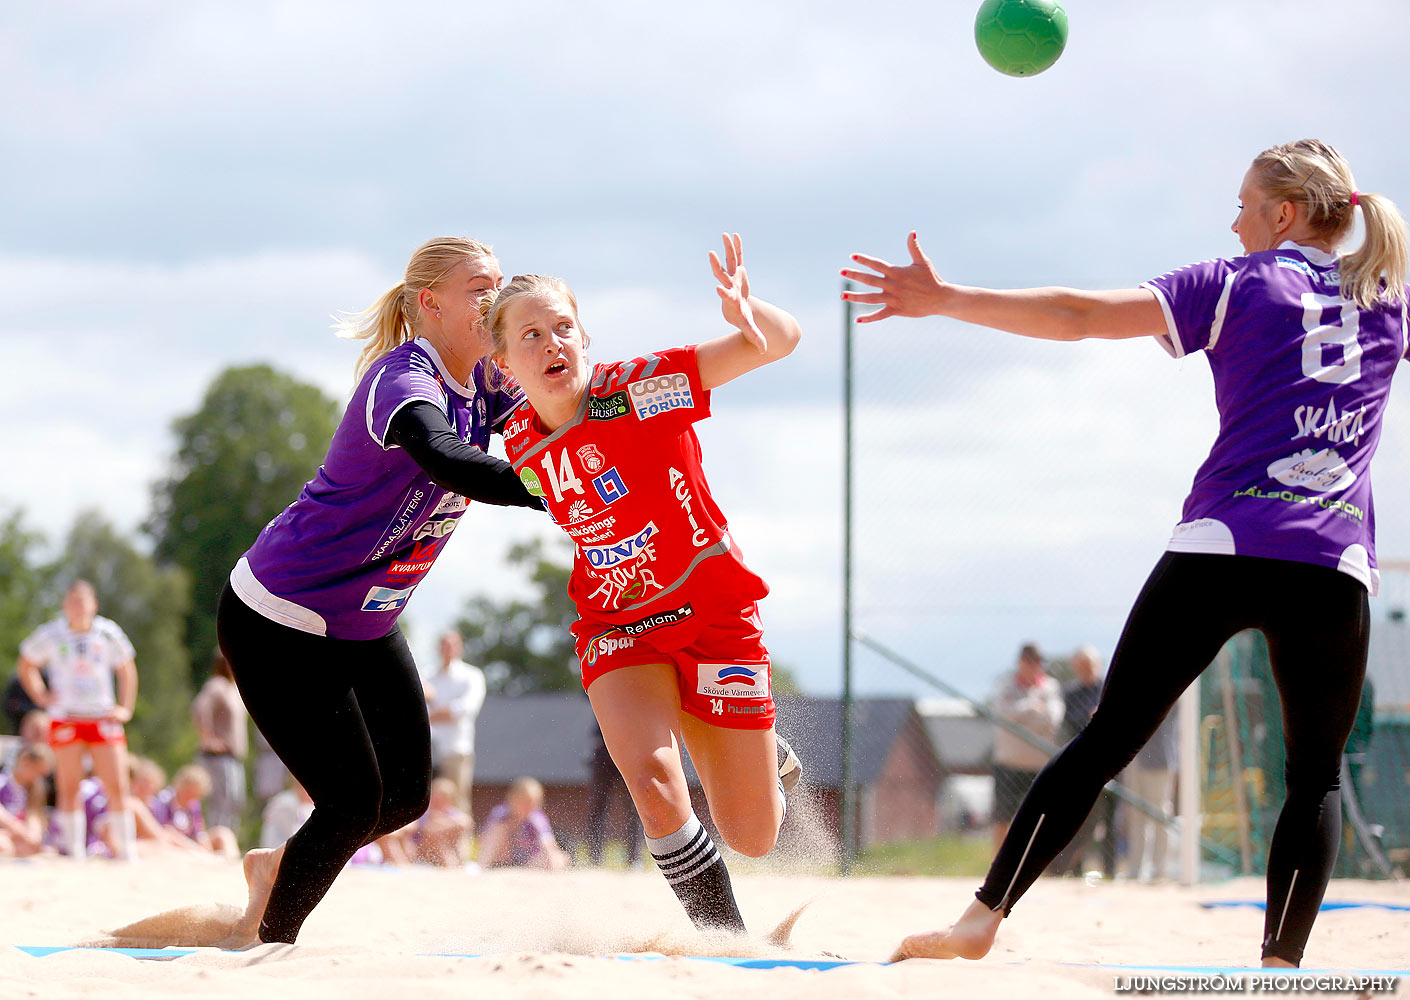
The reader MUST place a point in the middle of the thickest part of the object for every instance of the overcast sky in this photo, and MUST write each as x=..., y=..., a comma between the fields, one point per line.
x=188, y=187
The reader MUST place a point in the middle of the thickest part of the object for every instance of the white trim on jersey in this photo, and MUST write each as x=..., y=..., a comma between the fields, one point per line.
x=1170, y=340
x=276, y=609
x=425, y=345
x=1208, y=534
x=1220, y=309
x=1356, y=561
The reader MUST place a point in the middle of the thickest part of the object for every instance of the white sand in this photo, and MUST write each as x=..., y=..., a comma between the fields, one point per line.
x=539, y=933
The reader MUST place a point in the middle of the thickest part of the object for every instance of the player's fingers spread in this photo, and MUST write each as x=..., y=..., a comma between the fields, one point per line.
x=872, y=317
x=866, y=298
x=731, y=258
x=743, y=282
x=720, y=273
x=738, y=247
x=865, y=277
x=875, y=263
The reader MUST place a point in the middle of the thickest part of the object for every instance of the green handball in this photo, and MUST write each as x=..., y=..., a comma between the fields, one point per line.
x=1020, y=37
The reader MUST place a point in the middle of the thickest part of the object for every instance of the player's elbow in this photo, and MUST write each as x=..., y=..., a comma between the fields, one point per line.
x=787, y=337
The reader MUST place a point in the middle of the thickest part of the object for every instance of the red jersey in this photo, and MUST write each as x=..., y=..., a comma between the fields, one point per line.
x=623, y=479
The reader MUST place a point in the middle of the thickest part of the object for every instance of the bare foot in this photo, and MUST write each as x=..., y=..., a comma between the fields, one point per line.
x=261, y=867
x=970, y=937
x=1273, y=962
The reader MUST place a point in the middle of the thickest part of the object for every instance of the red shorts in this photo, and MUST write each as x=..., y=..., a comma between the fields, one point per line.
x=723, y=670
x=94, y=732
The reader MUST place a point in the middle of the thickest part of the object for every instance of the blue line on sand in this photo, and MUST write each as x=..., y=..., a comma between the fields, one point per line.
x=1212, y=904
x=743, y=963
x=793, y=963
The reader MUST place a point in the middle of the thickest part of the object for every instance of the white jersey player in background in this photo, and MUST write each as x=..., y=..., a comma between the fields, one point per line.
x=91, y=692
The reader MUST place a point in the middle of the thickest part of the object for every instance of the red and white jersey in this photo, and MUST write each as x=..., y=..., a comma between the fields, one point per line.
x=623, y=479
x=80, y=665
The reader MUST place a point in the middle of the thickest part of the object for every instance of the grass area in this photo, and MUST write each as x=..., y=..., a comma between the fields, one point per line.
x=946, y=855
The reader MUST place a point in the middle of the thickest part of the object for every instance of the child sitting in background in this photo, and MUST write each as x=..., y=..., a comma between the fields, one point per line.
x=178, y=807
x=145, y=782
x=438, y=838
x=518, y=832
x=21, y=825
x=93, y=803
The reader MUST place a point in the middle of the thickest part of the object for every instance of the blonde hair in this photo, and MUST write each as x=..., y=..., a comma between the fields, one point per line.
x=1314, y=174
x=143, y=768
x=528, y=787
x=393, y=319
x=492, y=309
x=193, y=774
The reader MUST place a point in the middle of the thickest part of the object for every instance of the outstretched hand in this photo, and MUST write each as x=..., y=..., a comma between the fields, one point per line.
x=734, y=291
x=913, y=289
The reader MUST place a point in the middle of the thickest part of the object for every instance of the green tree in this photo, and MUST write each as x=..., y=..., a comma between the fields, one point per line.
x=240, y=459
x=149, y=602
x=525, y=646
x=21, y=584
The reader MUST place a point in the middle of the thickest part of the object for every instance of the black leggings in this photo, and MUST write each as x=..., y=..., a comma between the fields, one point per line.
x=348, y=718
x=1316, y=620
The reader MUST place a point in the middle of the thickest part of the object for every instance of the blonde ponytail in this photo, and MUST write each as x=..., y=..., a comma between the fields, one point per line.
x=1316, y=175
x=1382, y=256
x=383, y=325
x=393, y=319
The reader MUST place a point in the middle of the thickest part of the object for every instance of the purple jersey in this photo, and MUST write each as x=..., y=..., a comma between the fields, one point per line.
x=13, y=798
x=524, y=842
x=189, y=820
x=94, y=804
x=343, y=559
x=1301, y=377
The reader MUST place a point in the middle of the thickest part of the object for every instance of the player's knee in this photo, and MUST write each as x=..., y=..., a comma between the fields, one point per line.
x=402, y=806
x=752, y=833
x=658, y=788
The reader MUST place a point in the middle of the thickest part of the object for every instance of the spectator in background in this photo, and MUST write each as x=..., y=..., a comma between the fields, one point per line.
x=284, y=814
x=439, y=837
x=607, y=787
x=18, y=703
x=21, y=825
x=454, y=696
x=95, y=823
x=518, y=832
x=1151, y=776
x=178, y=806
x=1080, y=699
x=1030, y=699
x=145, y=782
x=222, y=728
x=88, y=657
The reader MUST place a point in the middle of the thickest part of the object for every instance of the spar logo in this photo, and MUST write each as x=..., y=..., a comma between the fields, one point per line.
x=616, y=553
x=654, y=396
x=733, y=680
x=606, y=644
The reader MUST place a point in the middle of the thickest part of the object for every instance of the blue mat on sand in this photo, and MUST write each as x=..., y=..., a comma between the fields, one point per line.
x=1220, y=904
x=166, y=954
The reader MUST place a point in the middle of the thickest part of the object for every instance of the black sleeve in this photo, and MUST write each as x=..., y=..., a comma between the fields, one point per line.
x=423, y=431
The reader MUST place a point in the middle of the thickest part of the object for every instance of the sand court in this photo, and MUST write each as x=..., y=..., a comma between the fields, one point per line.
x=394, y=932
